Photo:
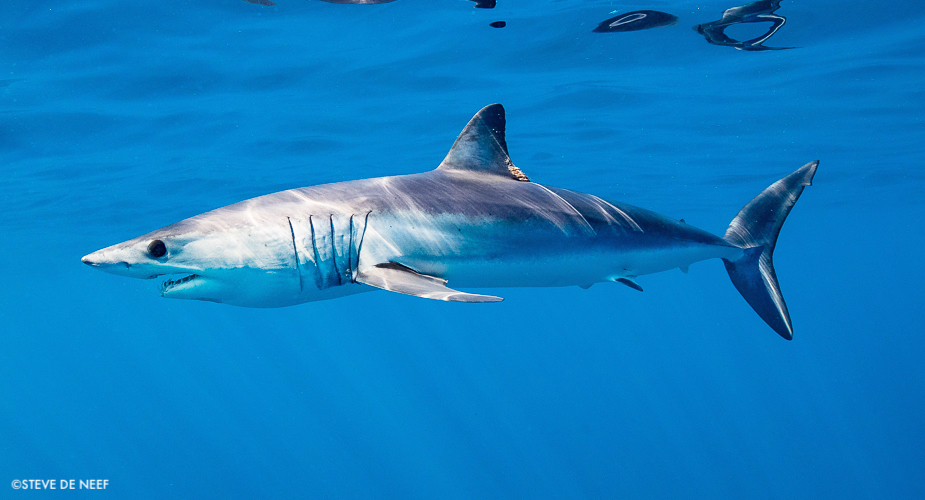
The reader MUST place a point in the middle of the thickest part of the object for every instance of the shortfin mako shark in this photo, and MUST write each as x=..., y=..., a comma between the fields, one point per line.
x=476, y=221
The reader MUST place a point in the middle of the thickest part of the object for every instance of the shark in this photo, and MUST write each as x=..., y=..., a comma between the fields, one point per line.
x=476, y=221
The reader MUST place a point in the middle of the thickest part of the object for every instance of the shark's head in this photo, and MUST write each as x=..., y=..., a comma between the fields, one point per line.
x=209, y=257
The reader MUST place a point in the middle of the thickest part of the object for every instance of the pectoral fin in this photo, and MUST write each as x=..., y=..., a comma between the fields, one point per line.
x=395, y=277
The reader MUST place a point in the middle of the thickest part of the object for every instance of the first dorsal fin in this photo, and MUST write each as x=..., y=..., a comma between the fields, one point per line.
x=481, y=147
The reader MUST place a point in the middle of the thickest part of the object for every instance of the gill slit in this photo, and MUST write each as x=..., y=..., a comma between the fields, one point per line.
x=318, y=276
x=298, y=266
x=340, y=281
x=350, y=267
x=362, y=237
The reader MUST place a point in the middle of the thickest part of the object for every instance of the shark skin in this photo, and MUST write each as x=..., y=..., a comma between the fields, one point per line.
x=474, y=222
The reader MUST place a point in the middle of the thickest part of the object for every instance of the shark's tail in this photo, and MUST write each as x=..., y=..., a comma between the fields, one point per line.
x=755, y=230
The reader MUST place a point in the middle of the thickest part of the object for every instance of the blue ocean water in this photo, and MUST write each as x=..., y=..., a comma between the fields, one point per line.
x=117, y=118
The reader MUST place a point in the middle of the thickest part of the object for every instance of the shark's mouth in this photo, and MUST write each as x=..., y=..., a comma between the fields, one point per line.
x=179, y=283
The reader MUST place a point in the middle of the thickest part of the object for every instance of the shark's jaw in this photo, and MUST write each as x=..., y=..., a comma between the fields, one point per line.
x=182, y=283
x=192, y=287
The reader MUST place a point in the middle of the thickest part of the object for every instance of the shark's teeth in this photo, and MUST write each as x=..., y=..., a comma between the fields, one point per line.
x=167, y=285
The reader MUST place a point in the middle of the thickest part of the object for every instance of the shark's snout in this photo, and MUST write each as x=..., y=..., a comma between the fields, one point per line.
x=104, y=266
x=106, y=263
x=101, y=260
x=96, y=259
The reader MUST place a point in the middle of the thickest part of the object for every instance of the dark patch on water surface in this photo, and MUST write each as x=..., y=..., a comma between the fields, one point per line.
x=636, y=21
x=485, y=4
x=761, y=11
x=268, y=3
x=498, y=24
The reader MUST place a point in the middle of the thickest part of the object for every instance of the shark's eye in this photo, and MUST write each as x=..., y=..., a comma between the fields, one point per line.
x=157, y=249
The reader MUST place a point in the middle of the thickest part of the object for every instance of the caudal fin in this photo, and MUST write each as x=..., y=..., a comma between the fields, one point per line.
x=755, y=230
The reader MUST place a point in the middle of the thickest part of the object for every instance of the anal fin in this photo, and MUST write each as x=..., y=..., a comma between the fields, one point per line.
x=395, y=277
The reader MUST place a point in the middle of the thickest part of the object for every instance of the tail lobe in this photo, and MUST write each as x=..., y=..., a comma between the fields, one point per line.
x=755, y=229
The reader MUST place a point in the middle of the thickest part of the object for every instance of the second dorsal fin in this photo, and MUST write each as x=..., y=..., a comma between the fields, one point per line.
x=481, y=147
